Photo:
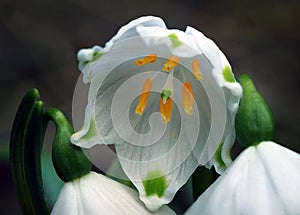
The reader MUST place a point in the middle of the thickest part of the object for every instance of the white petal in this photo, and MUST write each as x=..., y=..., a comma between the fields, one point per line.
x=179, y=43
x=232, y=91
x=262, y=180
x=282, y=166
x=67, y=202
x=85, y=56
x=129, y=30
x=97, y=194
x=176, y=150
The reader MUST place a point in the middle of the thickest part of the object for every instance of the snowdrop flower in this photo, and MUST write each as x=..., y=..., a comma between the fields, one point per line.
x=264, y=179
x=97, y=194
x=166, y=98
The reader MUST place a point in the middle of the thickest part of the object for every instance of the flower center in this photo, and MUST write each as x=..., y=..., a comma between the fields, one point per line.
x=166, y=102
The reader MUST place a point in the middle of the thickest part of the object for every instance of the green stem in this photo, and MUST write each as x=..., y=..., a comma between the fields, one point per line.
x=69, y=160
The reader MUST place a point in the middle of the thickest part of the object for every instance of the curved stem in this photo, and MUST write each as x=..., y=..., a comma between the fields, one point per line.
x=69, y=160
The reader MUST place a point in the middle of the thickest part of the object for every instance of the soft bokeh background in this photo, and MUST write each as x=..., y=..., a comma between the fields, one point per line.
x=39, y=41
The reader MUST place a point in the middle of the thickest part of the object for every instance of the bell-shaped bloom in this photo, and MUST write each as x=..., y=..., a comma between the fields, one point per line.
x=166, y=98
x=97, y=194
x=264, y=179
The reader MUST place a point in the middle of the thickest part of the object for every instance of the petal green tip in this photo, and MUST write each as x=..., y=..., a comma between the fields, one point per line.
x=155, y=184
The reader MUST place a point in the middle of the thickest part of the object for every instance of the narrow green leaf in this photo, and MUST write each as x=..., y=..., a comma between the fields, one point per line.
x=25, y=149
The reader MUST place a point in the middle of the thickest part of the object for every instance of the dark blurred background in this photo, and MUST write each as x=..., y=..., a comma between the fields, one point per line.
x=39, y=41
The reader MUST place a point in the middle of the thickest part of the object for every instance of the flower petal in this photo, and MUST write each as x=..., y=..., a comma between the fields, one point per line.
x=282, y=166
x=232, y=91
x=179, y=43
x=172, y=152
x=254, y=184
x=97, y=194
x=67, y=202
x=129, y=30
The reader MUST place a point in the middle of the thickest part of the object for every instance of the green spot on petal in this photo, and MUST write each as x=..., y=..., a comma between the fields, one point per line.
x=92, y=130
x=175, y=40
x=218, y=157
x=155, y=184
x=97, y=56
x=228, y=75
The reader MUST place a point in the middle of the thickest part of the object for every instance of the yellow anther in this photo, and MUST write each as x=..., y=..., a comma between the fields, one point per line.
x=170, y=63
x=187, y=98
x=196, y=70
x=146, y=60
x=166, y=110
x=144, y=96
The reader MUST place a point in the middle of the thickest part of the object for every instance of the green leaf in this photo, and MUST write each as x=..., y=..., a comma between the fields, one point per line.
x=25, y=151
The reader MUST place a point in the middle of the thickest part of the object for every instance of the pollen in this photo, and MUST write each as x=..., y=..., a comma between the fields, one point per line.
x=144, y=96
x=187, y=98
x=170, y=63
x=146, y=60
x=196, y=70
x=166, y=110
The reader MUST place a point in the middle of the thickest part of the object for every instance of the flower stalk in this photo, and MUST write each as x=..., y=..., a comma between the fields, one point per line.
x=69, y=160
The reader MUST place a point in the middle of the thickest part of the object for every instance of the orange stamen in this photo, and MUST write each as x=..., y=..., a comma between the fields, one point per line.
x=196, y=70
x=187, y=98
x=166, y=110
x=144, y=96
x=170, y=63
x=146, y=60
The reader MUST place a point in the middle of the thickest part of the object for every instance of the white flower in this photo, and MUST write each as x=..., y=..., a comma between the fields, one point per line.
x=264, y=179
x=166, y=99
x=97, y=194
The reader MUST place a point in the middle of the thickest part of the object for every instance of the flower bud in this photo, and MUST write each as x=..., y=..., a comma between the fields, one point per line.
x=254, y=121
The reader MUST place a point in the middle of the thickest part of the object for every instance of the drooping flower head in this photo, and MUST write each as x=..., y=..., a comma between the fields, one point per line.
x=166, y=98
